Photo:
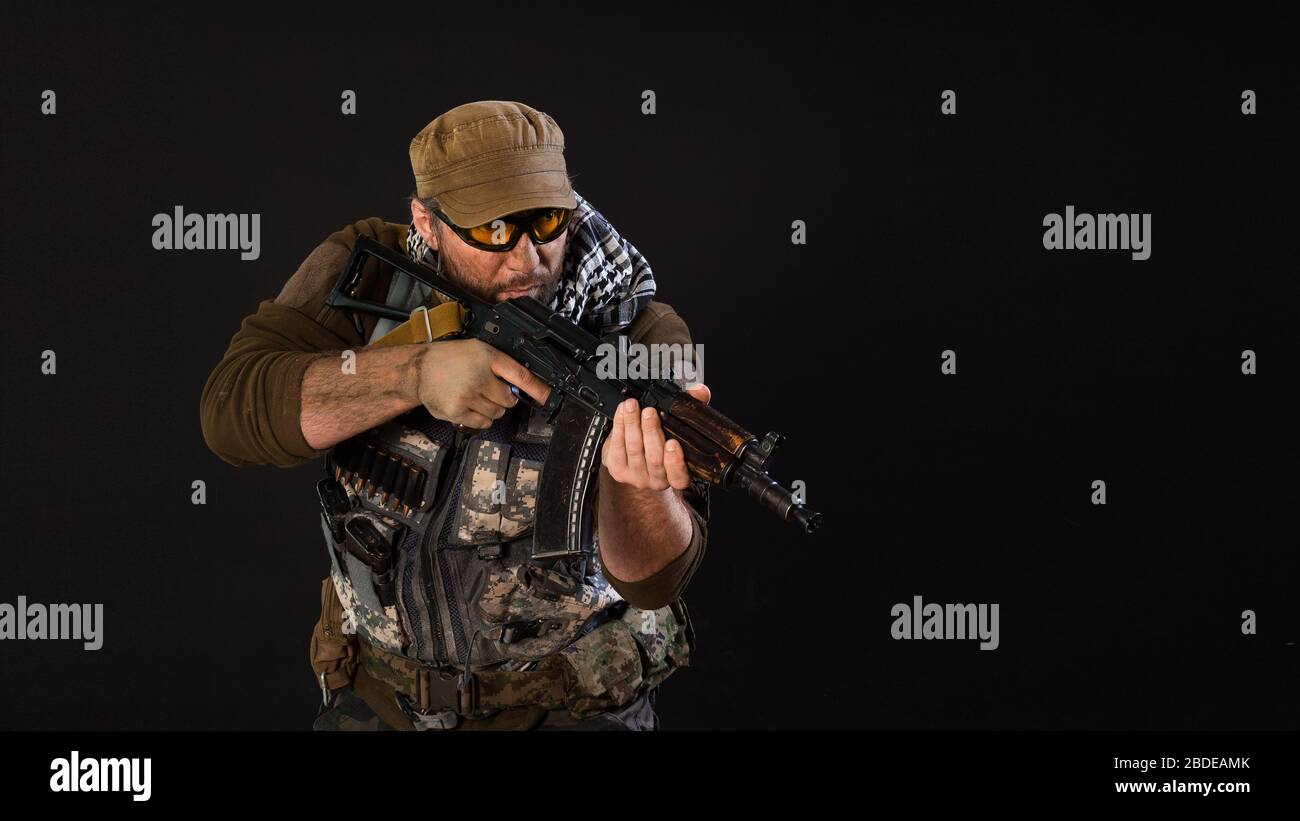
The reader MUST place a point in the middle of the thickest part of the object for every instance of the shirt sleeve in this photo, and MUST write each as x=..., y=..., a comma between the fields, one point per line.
x=251, y=407
x=659, y=323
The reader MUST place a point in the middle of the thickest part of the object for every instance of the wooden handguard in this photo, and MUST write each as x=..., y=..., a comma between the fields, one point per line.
x=710, y=441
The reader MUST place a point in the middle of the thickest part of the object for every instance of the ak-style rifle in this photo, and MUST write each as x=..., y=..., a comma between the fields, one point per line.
x=564, y=356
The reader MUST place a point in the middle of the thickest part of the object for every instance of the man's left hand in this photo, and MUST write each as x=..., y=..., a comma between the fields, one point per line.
x=635, y=452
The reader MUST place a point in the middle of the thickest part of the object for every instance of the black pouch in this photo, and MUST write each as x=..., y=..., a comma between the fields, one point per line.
x=378, y=552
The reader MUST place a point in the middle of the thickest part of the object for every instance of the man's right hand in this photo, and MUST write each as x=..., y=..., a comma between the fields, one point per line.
x=467, y=382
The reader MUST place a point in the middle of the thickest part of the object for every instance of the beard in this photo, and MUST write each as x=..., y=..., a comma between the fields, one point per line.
x=547, y=285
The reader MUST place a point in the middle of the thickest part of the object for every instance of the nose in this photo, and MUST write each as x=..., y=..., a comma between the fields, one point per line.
x=523, y=258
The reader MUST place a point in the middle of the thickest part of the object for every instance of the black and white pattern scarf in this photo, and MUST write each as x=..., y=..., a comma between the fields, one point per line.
x=605, y=283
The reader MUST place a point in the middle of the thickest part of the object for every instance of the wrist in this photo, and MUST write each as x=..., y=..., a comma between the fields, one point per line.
x=413, y=385
x=631, y=496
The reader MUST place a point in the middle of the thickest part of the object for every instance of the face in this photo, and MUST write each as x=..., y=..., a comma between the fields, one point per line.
x=527, y=269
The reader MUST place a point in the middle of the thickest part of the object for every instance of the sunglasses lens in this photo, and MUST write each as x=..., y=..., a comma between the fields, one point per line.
x=549, y=223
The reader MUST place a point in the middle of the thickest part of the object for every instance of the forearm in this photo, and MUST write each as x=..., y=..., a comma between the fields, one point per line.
x=641, y=531
x=337, y=405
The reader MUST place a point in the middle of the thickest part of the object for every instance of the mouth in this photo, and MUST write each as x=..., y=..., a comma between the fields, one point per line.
x=529, y=291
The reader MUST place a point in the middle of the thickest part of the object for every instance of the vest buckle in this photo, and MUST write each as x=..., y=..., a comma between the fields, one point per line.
x=441, y=720
x=513, y=631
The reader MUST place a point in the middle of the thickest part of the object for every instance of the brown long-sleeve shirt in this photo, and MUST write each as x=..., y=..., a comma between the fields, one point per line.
x=252, y=402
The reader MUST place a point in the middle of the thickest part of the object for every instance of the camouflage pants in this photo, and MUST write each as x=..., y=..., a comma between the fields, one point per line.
x=351, y=713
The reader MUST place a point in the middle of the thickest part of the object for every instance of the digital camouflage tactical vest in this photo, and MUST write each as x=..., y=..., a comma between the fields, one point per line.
x=470, y=583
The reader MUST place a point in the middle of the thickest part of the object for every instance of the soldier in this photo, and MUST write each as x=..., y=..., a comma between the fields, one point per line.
x=445, y=608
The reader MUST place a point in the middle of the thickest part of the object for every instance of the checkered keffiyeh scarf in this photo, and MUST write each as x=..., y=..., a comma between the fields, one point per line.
x=606, y=282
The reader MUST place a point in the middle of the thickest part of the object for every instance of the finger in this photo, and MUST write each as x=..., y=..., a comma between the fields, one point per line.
x=615, y=456
x=700, y=392
x=679, y=477
x=497, y=390
x=484, y=406
x=633, y=443
x=653, y=436
x=473, y=419
x=506, y=367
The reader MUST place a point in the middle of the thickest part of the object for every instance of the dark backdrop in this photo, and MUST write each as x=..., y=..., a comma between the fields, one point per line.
x=924, y=234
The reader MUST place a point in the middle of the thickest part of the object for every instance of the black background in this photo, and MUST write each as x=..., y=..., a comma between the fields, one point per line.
x=924, y=234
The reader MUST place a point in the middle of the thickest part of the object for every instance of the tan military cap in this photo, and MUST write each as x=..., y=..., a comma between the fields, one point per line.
x=487, y=159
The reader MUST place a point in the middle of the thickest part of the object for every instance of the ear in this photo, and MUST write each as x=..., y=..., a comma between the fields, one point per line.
x=423, y=222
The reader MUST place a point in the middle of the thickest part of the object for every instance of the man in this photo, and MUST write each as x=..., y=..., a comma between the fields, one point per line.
x=443, y=608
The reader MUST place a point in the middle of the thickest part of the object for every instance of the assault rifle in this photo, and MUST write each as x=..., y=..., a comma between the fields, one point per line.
x=564, y=356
